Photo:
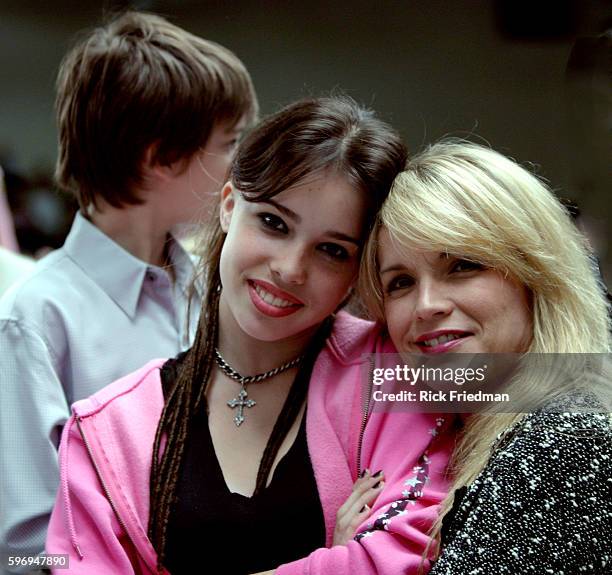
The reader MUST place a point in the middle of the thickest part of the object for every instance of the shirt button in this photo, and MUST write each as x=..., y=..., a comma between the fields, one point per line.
x=151, y=276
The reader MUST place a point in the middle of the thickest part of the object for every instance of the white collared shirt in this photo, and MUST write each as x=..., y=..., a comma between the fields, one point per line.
x=89, y=313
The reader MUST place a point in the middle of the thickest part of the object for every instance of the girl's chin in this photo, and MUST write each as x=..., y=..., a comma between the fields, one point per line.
x=284, y=336
x=269, y=333
x=268, y=329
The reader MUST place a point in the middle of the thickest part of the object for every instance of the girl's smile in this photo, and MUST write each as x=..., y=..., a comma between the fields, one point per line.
x=272, y=301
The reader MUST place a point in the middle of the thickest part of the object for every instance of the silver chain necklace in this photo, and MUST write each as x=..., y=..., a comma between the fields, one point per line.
x=243, y=400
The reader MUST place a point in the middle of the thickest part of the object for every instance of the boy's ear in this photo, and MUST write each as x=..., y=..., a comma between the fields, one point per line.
x=157, y=170
x=228, y=202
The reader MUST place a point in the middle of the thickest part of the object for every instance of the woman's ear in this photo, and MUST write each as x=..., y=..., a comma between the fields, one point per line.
x=226, y=209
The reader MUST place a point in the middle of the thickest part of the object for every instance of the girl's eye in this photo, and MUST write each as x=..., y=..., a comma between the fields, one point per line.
x=399, y=282
x=335, y=251
x=461, y=265
x=273, y=223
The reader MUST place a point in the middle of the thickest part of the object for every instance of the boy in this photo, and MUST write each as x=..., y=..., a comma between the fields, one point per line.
x=148, y=116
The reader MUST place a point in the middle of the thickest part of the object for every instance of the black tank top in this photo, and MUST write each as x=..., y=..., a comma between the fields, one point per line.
x=212, y=528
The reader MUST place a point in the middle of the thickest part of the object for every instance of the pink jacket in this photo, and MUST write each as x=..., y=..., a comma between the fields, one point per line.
x=101, y=513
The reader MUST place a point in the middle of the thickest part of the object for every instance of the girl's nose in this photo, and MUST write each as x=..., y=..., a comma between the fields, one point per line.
x=289, y=266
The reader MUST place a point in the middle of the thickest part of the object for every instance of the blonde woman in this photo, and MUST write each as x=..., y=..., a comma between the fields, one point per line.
x=471, y=253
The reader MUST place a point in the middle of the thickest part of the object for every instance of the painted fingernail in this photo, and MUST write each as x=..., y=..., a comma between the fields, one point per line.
x=378, y=473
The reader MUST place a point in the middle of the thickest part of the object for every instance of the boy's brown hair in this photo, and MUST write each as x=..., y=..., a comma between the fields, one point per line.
x=136, y=82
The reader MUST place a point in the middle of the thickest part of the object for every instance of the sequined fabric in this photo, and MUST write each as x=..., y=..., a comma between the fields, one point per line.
x=542, y=505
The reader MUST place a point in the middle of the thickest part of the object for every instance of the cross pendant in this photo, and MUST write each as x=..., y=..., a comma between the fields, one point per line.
x=240, y=402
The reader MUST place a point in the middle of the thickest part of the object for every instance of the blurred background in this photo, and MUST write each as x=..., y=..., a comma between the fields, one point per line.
x=533, y=79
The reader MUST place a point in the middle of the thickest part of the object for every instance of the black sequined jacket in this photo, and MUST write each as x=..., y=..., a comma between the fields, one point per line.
x=542, y=505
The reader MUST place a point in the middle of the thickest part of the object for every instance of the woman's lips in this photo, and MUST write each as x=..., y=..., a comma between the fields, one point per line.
x=272, y=301
x=441, y=341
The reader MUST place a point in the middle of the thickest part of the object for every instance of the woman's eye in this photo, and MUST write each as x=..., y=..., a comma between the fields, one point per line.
x=273, y=223
x=335, y=251
x=399, y=283
x=461, y=265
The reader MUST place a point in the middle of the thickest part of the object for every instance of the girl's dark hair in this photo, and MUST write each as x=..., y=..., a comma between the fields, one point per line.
x=304, y=138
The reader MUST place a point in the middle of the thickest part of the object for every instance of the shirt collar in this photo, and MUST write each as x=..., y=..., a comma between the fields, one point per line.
x=114, y=269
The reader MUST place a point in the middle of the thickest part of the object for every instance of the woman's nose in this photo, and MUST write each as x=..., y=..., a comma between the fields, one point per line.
x=433, y=300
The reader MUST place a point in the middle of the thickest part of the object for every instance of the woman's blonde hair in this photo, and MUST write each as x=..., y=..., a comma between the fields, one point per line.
x=468, y=200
